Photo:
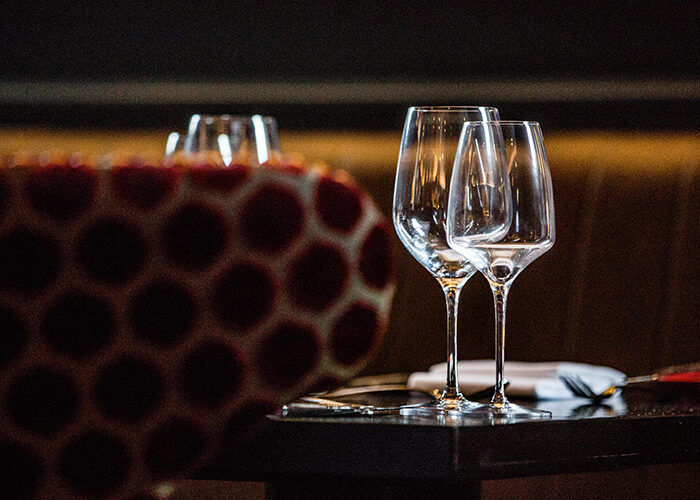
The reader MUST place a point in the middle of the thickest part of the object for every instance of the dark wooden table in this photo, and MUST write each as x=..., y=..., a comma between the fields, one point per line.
x=396, y=457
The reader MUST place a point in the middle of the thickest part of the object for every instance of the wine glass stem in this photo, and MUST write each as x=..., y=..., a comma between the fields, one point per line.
x=500, y=298
x=452, y=291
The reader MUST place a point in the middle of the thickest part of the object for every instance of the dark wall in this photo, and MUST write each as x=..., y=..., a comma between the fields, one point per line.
x=341, y=40
x=346, y=41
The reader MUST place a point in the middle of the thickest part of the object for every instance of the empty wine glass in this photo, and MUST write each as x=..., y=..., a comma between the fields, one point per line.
x=227, y=139
x=428, y=147
x=501, y=218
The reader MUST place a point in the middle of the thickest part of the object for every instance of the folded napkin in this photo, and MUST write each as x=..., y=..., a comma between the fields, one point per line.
x=534, y=380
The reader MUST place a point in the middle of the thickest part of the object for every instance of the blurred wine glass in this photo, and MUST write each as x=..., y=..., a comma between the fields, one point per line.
x=227, y=139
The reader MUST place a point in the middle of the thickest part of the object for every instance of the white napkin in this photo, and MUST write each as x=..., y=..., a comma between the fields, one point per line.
x=534, y=380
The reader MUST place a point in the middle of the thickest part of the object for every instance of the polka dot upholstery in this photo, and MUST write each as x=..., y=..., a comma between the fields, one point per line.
x=150, y=315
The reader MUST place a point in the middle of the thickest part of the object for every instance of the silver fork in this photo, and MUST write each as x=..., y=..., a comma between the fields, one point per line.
x=581, y=389
x=682, y=373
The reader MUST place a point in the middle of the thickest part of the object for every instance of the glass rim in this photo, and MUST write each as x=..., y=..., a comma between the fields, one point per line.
x=238, y=117
x=450, y=108
x=503, y=122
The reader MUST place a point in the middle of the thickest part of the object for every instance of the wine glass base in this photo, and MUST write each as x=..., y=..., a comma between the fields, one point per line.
x=443, y=408
x=507, y=411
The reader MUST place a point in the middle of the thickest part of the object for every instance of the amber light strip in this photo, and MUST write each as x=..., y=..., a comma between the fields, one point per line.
x=374, y=152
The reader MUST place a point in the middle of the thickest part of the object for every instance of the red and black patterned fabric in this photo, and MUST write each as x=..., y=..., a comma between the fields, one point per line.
x=151, y=314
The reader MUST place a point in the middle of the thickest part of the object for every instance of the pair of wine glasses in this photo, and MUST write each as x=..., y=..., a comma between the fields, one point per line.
x=473, y=193
x=227, y=139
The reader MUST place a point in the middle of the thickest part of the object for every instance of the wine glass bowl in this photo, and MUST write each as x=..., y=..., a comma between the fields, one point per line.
x=227, y=140
x=503, y=254
x=428, y=147
x=501, y=217
x=429, y=144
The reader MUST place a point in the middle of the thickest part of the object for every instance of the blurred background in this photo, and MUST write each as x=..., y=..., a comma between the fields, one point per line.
x=348, y=65
x=615, y=85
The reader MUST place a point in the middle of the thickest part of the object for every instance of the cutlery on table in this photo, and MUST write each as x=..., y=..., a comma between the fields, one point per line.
x=681, y=373
x=323, y=404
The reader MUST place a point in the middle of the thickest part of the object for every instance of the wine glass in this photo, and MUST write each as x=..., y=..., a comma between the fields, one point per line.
x=227, y=139
x=501, y=217
x=428, y=147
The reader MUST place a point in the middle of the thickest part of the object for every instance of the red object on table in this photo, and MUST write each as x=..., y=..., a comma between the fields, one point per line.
x=680, y=377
